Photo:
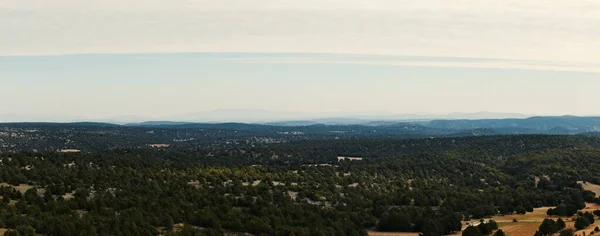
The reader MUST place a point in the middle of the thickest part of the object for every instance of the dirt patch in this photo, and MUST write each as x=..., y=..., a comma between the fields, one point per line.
x=2, y=231
x=293, y=195
x=21, y=188
x=375, y=233
x=70, y=151
x=519, y=228
x=81, y=213
x=68, y=196
x=159, y=145
x=194, y=183
x=591, y=207
x=176, y=228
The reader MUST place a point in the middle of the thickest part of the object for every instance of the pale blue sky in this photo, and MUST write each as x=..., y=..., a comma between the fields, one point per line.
x=163, y=85
x=158, y=59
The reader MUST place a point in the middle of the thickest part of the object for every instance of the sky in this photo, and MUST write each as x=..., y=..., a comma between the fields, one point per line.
x=87, y=60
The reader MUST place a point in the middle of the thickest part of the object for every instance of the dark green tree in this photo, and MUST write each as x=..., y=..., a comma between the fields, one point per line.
x=548, y=227
x=567, y=232
x=472, y=231
x=560, y=223
x=581, y=223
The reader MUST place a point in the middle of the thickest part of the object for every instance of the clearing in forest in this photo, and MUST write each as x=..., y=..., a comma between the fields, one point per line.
x=21, y=187
x=538, y=214
x=590, y=187
x=519, y=228
x=529, y=223
x=376, y=233
x=526, y=224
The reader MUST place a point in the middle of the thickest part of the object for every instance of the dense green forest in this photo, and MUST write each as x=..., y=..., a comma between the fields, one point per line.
x=95, y=137
x=296, y=187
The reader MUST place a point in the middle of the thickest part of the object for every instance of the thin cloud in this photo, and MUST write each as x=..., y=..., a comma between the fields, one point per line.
x=425, y=62
x=562, y=30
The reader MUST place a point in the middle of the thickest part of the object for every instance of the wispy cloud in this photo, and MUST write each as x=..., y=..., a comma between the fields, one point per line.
x=416, y=61
x=561, y=30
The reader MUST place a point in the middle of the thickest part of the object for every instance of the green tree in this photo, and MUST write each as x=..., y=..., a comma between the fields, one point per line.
x=48, y=195
x=26, y=230
x=493, y=224
x=11, y=233
x=169, y=224
x=472, y=231
x=567, y=232
x=589, y=217
x=581, y=223
x=548, y=227
x=560, y=223
x=520, y=210
x=395, y=220
x=452, y=223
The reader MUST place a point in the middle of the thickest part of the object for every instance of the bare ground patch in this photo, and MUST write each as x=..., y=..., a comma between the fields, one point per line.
x=376, y=233
x=537, y=214
x=519, y=228
x=21, y=188
x=68, y=196
x=590, y=187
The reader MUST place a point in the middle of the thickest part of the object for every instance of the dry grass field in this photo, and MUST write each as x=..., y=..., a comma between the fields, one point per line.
x=519, y=228
x=529, y=228
x=537, y=214
x=375, y=233
x=591, y=187
x=526, y=224
x=529, y=223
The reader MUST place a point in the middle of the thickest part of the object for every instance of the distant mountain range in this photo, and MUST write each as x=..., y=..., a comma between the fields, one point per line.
x=334, y=118
x=483, y=123
x=548, y=125
x=531, y=125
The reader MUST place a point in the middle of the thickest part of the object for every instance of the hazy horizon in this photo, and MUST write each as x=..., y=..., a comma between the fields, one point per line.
x=270, y=116
x=161, y=86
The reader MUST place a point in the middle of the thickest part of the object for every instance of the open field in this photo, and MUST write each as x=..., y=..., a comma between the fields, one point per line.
x=375, y=233
x=519, y=228
x=529, y=228
x=537, y=214
x=529, y=223
x=526, y=224
x=591, y=187
x=587, y=231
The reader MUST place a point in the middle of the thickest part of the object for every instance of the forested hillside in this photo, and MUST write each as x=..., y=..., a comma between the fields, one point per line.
x=426, y=185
